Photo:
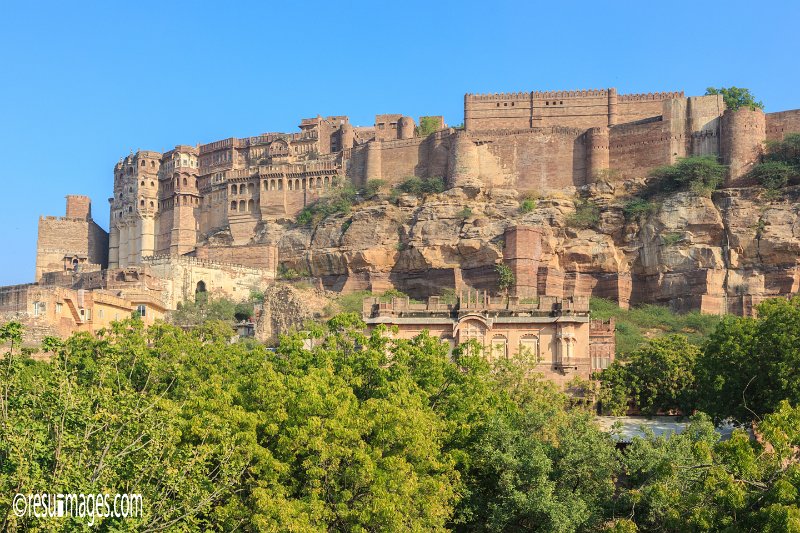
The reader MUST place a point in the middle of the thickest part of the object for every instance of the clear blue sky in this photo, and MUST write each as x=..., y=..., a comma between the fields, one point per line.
x=83, y=84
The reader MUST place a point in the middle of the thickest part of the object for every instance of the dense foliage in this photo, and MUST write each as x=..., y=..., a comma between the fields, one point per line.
x=736, y=97
x=427, y=126
x=781, y=163
x=586, y=215
x=419, y=186
x=361, y=432
x=701, y=175
x=744, y=370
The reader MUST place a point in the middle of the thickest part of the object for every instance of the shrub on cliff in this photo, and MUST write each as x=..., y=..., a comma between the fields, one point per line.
x=699, y=174
x=773, y=175
x=419, y=187
x=586, y=215
x=339, y=200
x=639, y=209
x=781, y=164
x=736, y=97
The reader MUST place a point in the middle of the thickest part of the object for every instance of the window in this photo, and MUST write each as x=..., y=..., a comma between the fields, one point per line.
x=499, y=347
x=39, y=308
x=141, y=309
x=529, y=347
x=233, y=205
x=58, y=308
x=88, y=314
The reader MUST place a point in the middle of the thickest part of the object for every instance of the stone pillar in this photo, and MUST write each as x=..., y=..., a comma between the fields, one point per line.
x=743, y=136
x=596, y=152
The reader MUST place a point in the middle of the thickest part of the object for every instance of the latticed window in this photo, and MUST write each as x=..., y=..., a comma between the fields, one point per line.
x=499, y=347
x=472, y=330
x=529, y=347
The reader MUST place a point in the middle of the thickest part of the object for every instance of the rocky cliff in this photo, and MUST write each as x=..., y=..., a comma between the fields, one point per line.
x=720, y=253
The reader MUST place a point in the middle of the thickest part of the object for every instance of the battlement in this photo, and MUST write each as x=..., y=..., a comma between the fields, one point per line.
x=581, y=93
x=650, y=97
x=163, y=259
x=470, y=301
x=498, y=96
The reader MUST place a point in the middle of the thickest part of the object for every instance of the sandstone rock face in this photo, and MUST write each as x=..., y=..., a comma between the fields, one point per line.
x=285, y=308
x=723, y=253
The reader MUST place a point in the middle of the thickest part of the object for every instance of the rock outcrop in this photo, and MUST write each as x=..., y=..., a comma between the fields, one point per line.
x=720, y=253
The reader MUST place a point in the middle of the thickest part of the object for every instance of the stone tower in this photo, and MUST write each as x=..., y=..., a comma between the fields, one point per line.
x=133, y=209
x=180, y=201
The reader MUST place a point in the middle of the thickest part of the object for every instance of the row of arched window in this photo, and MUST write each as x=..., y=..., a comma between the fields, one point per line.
x=243, y=207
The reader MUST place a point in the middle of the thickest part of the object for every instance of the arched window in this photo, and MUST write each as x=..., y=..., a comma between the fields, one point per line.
x=143, y=162
x=326, y=182
x=152, y=184
x=141, y=203
x=250, y=206
x=280, y=185
x=196, y=184
x=529, y=347
x=200, y=294
x=242, y=188
x=152, y=204
x=499, y=347
x=233, y=205
x=152, y=164
x=319, y=182
x=290, y=185
x=185, y=182
x=297, y=185
x=233, y=189
x=142, y=184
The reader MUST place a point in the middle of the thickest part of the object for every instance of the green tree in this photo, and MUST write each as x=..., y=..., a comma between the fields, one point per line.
x=505, y=277
x=428, y=125
x=659, y=376
x=736, y=97
x=750, y=365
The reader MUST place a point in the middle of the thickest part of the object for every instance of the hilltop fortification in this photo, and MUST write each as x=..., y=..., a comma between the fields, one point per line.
x=234, y=201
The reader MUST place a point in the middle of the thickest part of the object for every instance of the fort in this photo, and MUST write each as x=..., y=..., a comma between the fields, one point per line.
x=219, y=217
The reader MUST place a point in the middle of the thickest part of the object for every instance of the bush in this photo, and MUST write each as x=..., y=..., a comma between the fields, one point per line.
x=339, y=200
x=700, y=174
x=586, y=215
x=786, y=150
x=671, y=239
x=373, y=187
x=639, y=209
x=464, y=213
x=419, y=186
x=773, y=174
x=527, y=206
